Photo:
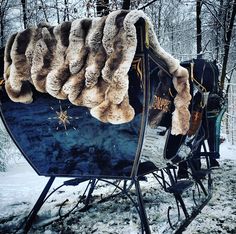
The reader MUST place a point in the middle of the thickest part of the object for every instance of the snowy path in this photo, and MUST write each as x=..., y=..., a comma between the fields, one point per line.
x=219, y=216
x=21, y=186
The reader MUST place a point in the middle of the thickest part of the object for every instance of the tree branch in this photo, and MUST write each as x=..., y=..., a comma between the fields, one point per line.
x=146, y=5
x=213, y=14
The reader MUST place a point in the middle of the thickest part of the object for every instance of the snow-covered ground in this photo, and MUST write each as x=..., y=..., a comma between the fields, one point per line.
x=20, y=187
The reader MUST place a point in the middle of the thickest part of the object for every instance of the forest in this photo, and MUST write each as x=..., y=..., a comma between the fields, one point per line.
x=185, y=28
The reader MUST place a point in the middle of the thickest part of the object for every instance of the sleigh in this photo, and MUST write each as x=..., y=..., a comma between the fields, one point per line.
x=60, y=139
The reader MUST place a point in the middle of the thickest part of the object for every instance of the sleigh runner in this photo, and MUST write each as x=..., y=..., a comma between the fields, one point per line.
x=145, y=133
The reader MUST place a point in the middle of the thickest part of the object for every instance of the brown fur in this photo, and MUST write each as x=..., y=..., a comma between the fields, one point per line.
x=114, y=46
x=94, y=96
x=22, y=41
x=55, y=81
x=21, y=65
x=100, y=111
x=77, y=51
x=19, y=68
x=181, y=115
x=65, y=32
x=74, y=86
x=87, y=61
x=25, y=94
x=121, y=113
x=115, y=114
x=97, y=56
x=42, y=58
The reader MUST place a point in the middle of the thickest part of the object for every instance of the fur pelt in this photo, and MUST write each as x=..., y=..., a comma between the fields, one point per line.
x=87, y=61
x=181, y=114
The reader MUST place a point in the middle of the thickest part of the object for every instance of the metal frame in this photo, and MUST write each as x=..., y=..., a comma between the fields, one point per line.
x=166, y=178
x=138, y=204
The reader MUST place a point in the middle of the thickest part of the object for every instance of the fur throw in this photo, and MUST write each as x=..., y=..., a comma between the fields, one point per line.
x=87, y=61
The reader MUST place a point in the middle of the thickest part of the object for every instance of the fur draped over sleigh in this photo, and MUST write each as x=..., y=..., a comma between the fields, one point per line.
x=87, y=61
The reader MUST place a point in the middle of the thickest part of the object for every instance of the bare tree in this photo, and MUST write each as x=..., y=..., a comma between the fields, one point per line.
x=66, y=11
x=227, y=42
x=8, y=149
x=126, y=4
x=217, y=14
x=199, y=28
x=3, y=13
x=57, y=10
x=89, y=5
x=44, y=10
x=24, y=7
x=102, y=7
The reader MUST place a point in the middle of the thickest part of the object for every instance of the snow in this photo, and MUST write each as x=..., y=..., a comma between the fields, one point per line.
x=21, y=186
x=228, y=151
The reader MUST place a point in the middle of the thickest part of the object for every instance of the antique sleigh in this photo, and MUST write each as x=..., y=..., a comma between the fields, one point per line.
x=64, y=138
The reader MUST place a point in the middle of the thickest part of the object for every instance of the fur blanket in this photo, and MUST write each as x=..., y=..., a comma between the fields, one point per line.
x=87, y=61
